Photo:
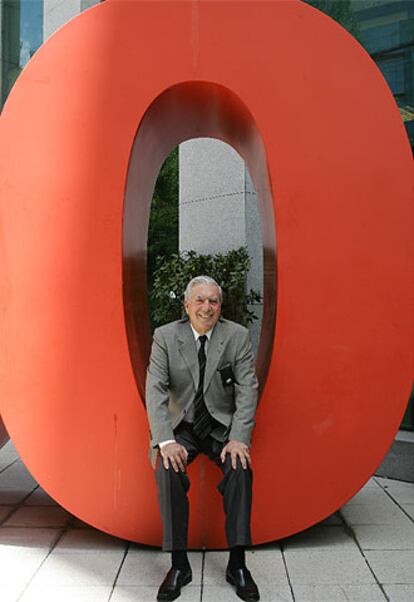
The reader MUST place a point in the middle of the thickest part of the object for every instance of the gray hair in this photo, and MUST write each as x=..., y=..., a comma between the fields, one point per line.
x=201, y=280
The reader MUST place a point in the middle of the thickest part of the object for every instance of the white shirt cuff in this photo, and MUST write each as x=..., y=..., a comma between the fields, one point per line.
x=162, y=443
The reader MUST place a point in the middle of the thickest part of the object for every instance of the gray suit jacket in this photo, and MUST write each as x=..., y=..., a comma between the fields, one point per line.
x=173, y=375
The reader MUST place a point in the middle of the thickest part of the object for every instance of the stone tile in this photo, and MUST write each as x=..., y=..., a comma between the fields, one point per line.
x=399, y=593
x=215, y=568
x=13, y=495
x=11, y=592
x=39, y=497
x=7, y=459
x=407, y=436
x=67, y=594
x=382, y=512
x=321, y=538
x=149, y=567
x=320, y=568
x=8, y=451
x=266, y=566
x=368, y=495
x=5, y=511
x=38, y=516
x=338, y=593
x=409, y=508
x=392, y=566
x=79, y=569
x=6, y=462
x=226, y=593
x=385, y=537
x=373, y=482
x=19, y=537
x=17, y=566
x=88, y=540
x=402, y=493
x=16, y=475
x=189, y=593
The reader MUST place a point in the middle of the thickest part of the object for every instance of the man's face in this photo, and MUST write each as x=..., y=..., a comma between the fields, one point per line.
x=204, y=307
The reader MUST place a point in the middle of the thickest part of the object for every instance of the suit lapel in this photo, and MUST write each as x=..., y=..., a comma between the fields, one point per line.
x=188, y=350
x=214, y=353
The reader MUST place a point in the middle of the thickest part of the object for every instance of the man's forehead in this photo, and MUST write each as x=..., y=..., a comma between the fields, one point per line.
x=202, y=291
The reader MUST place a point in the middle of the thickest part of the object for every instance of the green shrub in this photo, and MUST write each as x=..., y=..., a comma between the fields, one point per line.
x=172, y=275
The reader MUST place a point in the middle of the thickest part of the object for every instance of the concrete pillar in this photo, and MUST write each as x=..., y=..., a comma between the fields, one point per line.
x=218, y=209
x=58, y=12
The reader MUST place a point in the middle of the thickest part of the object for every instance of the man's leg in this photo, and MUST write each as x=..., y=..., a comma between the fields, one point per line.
x=236, y=489
x=173, y=502
x=172, y=497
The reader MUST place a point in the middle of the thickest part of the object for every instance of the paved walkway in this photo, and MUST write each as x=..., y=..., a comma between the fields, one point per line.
x=363, y=553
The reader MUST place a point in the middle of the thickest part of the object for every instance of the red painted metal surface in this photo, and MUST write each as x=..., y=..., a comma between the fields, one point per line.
x=318, y=126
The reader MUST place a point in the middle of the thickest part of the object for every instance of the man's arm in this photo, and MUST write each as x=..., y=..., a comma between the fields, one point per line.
x=245, y=398
x=245, y=393
x=156, y=392
x=157, y=396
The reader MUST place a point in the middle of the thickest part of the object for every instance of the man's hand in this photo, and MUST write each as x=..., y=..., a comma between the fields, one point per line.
x=176, y=454
x=236, y=449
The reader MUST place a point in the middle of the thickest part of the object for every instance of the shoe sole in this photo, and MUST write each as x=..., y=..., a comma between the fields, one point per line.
x=166, y=597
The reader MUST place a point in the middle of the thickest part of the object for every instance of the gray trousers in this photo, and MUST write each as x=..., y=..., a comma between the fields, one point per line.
x=235, y=487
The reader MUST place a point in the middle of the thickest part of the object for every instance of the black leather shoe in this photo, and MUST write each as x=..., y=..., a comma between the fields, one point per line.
x=245, y=586
x=170, y=588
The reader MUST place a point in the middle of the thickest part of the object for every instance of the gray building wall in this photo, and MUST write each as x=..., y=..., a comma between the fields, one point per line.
x=1, y=50
x=218, y=209
x=9, y=46
x=22, y=29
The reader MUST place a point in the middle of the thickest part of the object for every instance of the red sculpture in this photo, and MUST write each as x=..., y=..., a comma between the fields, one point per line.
x=86, y=126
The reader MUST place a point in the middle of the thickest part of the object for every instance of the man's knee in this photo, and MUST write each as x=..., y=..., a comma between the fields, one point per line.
x=239, y=470
x=169, y=475
x=238, y=478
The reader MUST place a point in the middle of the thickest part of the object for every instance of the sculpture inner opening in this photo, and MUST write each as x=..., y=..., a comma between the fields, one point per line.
x=185, y=111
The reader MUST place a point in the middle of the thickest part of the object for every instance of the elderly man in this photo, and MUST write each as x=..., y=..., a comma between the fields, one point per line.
x=201, y=396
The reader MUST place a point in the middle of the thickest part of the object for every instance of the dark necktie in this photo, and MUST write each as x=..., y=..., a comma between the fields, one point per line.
x=203, y=422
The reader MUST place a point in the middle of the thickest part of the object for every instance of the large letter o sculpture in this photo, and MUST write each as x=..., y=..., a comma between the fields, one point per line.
x=82, y=136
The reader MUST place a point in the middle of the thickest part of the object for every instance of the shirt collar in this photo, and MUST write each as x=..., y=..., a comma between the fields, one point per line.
x=197, y=335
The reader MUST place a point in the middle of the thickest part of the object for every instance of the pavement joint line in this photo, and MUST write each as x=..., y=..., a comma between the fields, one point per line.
x=9, y=465
x=52, y=547
x=287, y=572
x=128, y=545
x=396, y=503
x=348, y=529
x=18, y=505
